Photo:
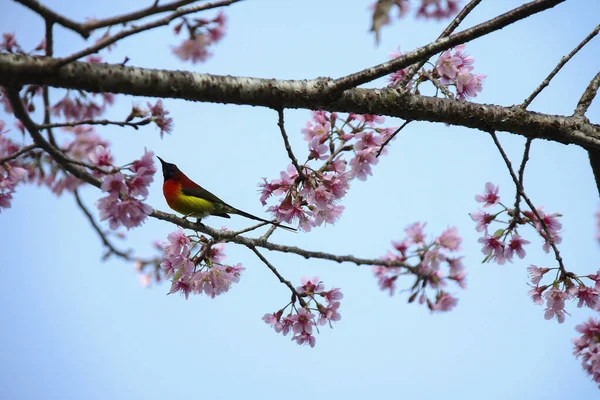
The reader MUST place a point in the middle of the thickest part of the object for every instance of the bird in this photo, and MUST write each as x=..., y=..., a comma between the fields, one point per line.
x=192, y=200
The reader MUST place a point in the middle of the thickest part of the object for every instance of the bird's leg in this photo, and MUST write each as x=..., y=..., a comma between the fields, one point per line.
x=199, y=222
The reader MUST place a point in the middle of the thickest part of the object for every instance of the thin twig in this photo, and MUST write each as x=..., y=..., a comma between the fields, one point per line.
x=412, y=70
x=559, y=66
x=101, y=234
x=521, y=191
x=45, y=89
x=588, y=96
x=286, y=142
x=48, y=14
x=134, y=125
x=521, y=178
x=12, y=93
x=392, y=136
x=19, y=153
x=134, y=16
x=137, y=29
x=423, y=53
x=278, y=275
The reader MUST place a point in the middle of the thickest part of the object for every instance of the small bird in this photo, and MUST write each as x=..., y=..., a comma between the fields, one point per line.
x=186, y=197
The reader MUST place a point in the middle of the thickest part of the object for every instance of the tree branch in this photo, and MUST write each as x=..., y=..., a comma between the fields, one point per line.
x=286, y=142
x=137, y=29
x=588, y=96
x=48, y=14
x=278, y=275
x=17, y=154
x=439, y=45
x=521, y=191
x=559, y=66
x=23, y=69
x=103, y=238
x=134, y=16
x=218, y=235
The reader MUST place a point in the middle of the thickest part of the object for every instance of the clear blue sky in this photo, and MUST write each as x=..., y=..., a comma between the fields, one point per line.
x=75, y=327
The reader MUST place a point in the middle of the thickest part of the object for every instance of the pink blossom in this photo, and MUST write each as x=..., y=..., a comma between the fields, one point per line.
x=318, y=130
x=449, y=239
x=329, y=314
x=444, y=302
x=333, y=295
x=415, y=232
x=483, y=219
x=369, y=119
x=183, y=285
x=516, y=246
x=305, y=338
x=588, y=296
x=493, y=248
x=587, y=347
x=468, y=84
x=437, y=9
x=101, y=156
x=490, y=197
x=317, y=151
x=536, y=294
x=194, y=49
x=114, y=185
x=159, y=116
x=536, y=273
x=303, y=321
x=9, y=43
x=310, y=286
x=555, y=304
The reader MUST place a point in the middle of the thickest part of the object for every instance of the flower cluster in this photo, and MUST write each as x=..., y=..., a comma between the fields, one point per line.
x=196, y=266
x=304, y=319
x=310, y=195
x=78, y=105
x=437, y=9
x=587, y=346
x=203, y=33
x=455, y=69
x=430, y=9
x=155, y=113
x=10, y=172
x=83, y=147
x=120, y=206
x=501, y=245
x=425, y=261
x=565, y=286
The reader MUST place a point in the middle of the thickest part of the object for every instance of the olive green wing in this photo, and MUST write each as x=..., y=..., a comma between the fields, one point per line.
x=221, y=208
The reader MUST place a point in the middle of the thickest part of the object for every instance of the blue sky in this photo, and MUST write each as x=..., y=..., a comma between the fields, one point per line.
x=76, y=327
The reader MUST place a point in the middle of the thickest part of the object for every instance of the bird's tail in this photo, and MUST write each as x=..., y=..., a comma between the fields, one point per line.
x=254, y=217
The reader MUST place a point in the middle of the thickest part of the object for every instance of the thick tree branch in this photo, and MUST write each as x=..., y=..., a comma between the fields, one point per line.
x=425, y=52
x=449, y=29
x=309, y=94
x=559, y=66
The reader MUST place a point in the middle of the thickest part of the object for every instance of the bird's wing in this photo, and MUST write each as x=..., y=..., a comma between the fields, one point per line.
x=202, y=193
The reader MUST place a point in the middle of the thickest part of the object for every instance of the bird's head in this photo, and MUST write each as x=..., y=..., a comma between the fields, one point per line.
x=169, y=170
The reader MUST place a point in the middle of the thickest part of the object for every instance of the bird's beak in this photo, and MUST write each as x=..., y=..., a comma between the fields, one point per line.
x=161, y=161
